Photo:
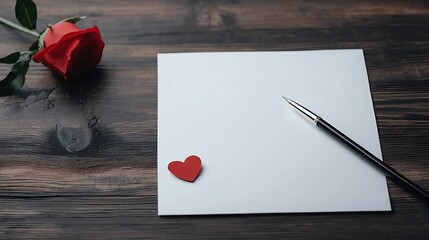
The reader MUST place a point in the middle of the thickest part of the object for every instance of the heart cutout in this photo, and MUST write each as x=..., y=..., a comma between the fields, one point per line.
x=187, y=170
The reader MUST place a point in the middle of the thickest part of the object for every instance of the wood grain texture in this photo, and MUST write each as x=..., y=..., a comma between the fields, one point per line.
x=109, y=190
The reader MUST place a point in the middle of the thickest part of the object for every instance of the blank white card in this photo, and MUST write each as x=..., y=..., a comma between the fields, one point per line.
x=258, y=154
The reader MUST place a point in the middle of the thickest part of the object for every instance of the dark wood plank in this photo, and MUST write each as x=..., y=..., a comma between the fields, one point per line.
x=109, y=189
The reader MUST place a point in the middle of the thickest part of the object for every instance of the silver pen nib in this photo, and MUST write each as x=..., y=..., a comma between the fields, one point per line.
x=287, y=99
x=303, y=111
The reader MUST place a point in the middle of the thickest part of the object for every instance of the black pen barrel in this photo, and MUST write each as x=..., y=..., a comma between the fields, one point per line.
x=390, y=172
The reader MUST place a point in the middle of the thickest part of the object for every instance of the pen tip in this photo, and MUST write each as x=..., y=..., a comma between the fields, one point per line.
x=287, y=99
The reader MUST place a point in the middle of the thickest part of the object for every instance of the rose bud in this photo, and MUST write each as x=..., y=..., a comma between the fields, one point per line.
x=70, y=51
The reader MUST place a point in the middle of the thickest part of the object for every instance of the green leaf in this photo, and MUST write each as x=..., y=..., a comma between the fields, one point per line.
x=26, y=13
x=74, y=19
x=16, y=77
x=11, y=58
x=34, y=47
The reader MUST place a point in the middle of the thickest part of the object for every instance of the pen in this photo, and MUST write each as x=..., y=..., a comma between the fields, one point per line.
x=389, y=171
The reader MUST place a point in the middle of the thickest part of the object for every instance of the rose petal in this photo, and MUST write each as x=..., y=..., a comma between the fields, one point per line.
x=57, y=31
x=59, y=56
x=40, y=54
x=74, y=53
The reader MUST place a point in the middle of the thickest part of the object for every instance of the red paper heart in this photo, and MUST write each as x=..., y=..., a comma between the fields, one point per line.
x=187, y=170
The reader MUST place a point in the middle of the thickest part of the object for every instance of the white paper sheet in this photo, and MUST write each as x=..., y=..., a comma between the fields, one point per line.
x=258, y=154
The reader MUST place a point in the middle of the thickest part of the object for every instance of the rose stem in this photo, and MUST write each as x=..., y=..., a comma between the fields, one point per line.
x=20, y=28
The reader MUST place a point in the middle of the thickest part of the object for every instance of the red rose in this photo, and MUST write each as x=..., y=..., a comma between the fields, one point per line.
x=70, y=51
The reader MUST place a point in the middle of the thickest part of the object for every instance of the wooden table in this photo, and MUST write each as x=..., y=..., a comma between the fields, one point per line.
x=109, y=189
